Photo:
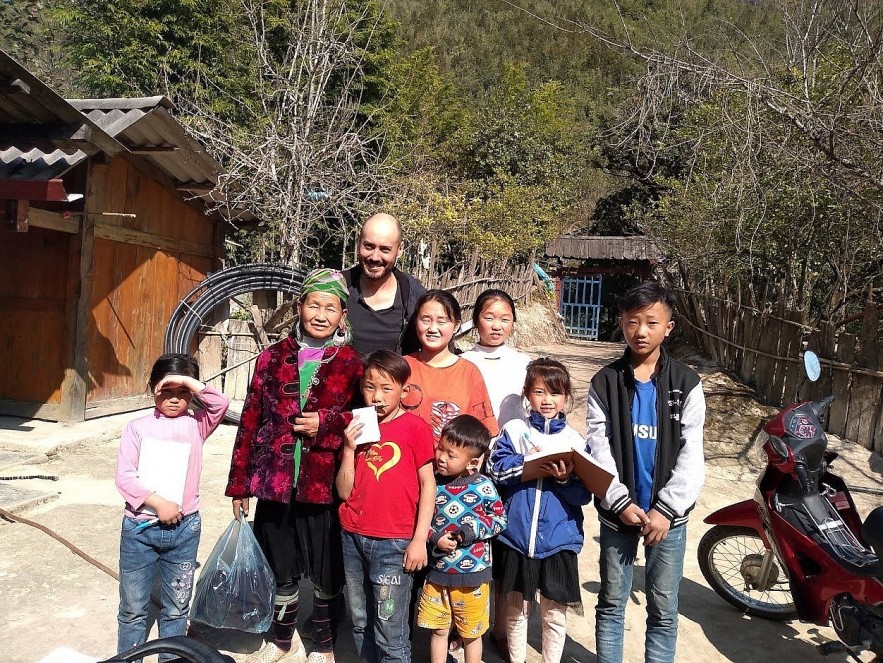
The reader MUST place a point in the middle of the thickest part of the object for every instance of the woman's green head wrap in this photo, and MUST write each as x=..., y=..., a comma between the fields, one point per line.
x=325, y=280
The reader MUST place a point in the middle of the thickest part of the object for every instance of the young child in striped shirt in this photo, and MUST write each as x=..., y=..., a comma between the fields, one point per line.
x=468, y=512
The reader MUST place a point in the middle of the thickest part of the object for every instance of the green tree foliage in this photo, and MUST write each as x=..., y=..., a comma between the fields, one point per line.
x=283, y=93
x=475, y=42
x=142, y=47
x=25, y=34
x=744, y=136
x=499, y=175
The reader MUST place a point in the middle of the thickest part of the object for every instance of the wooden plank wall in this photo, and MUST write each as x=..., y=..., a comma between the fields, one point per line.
x=134, y=286
x=32, y=297
x=764, y=349
x=470, y=281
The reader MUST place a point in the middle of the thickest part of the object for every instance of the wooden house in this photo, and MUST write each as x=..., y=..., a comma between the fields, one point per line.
x=591, y=272
x=103, y=229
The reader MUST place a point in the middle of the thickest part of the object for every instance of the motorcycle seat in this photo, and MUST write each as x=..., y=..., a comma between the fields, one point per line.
x=813, y=515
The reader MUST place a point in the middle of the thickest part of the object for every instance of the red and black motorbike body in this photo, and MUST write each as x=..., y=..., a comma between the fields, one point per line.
x=806, y=516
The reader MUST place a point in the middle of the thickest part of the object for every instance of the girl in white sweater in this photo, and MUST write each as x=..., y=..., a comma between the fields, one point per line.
x=504, y=370
x=502, y=367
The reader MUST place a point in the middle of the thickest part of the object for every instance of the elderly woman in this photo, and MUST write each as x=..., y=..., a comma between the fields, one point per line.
x=286, y=455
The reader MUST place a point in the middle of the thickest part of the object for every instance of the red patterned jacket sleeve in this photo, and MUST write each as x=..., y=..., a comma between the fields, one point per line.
x=245, y=436
x=344, y=383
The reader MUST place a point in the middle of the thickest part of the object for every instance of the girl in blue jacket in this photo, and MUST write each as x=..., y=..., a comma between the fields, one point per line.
x=538, y=550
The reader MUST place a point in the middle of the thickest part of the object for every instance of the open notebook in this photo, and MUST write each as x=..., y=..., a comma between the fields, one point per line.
x=594, y=477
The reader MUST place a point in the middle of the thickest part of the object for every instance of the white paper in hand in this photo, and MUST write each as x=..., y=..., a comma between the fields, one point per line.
x=367, y=416
x=162, y=467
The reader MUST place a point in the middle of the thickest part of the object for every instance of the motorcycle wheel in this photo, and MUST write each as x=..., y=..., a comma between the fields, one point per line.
x=727, y=557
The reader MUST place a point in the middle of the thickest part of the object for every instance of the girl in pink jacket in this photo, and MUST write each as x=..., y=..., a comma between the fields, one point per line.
x=158, y=470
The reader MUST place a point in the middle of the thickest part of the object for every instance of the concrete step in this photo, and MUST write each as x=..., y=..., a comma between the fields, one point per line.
x=48, y=437
x=16, y=499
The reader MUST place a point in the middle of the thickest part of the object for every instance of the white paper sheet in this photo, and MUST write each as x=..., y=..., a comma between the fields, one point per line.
x=65, y=655
x=367, y=416
x=162, y=467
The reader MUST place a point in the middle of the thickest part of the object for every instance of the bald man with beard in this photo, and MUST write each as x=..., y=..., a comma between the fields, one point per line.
x=381, y=297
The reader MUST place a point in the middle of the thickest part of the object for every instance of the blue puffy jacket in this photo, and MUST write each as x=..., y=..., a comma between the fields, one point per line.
x=545, y=515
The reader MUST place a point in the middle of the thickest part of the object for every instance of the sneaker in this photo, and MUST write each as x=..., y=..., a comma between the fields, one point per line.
x=321, y=657
x=270, y=653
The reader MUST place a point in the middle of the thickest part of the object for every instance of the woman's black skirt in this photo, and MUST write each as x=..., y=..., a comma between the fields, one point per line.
x=555, y=577
x=301, y=541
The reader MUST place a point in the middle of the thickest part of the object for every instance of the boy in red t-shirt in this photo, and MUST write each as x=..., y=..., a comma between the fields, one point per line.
x=388, y=488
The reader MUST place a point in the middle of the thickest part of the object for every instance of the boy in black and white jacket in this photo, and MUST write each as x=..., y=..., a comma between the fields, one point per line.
x=646, y=412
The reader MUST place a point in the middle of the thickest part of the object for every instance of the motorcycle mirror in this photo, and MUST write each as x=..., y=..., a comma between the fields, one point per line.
x=811, y=365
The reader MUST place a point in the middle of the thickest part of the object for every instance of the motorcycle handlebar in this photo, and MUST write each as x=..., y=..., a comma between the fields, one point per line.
x=819, y=407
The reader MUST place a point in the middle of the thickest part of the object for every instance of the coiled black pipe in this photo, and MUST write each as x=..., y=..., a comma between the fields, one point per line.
x=216, y=290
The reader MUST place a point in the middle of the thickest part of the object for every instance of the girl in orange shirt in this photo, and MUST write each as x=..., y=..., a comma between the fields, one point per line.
x=443, y=385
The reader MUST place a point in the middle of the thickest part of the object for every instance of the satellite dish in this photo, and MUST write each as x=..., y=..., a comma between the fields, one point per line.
x=811, y=365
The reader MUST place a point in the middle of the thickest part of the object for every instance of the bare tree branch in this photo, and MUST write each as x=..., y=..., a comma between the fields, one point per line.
x=305, y=157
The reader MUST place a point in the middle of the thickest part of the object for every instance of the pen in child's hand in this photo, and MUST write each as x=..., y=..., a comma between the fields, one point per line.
x=146, y=524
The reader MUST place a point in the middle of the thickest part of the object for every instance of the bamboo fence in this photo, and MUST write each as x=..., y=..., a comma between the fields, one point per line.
x=764, y=350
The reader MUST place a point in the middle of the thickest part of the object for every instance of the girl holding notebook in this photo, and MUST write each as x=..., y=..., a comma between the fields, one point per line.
x=539, y=554
x=158, y=469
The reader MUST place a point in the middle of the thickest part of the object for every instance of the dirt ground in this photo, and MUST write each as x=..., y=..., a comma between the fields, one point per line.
x=51, y=598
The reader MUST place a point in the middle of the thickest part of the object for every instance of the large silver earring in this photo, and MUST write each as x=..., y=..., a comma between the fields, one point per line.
x=298, y=333
x=339, y=337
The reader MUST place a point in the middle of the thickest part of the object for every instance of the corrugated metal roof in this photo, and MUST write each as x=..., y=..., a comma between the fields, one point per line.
x=17, y=106
x=144, y=125
x=604, y=248
x=35, y=164
x=44, y=136
x=33, y=115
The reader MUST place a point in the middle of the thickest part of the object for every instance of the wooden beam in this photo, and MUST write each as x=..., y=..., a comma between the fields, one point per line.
x=68, y=137
x=24, y=132
x=106, y=229
x=29, y=410
x=21, y=215
x=41, y=218
x=116, y=405
x=33, y=190
x=15, y=87
x=75, y=385
x=115, y=233
x=55, y=104
x=199, y=188
x=158, y=149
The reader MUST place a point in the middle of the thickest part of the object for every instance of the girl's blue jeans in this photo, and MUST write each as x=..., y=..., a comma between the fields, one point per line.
x=662, y=577
x=379, y=593
x=172, y=550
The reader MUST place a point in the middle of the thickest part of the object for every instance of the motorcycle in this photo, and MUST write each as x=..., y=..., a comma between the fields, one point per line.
x=799, y=549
